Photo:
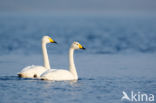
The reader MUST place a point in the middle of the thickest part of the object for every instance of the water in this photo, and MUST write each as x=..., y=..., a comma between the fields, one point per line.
x=100, y=34
x=120, y=56
x=85, y=90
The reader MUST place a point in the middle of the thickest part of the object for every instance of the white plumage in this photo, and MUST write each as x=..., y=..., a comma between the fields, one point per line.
x=36, y=71
x=61, y=74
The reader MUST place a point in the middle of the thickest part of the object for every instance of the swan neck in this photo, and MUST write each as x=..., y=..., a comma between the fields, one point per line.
x=45, y=56
x=71, y=63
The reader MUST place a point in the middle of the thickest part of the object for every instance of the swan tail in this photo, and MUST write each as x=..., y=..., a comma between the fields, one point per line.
x=35, y=76
x=20, y=75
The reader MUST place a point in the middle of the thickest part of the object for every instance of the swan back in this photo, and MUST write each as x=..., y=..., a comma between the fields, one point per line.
x=32, y=71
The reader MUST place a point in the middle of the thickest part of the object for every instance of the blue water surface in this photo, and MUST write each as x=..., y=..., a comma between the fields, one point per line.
x=120, y=56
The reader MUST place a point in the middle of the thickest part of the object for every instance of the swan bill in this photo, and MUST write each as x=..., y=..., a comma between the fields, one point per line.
x=52, y=41
x=83, y=48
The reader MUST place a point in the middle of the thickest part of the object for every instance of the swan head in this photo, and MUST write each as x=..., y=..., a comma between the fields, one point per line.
x=47, y=39
x=77, y=45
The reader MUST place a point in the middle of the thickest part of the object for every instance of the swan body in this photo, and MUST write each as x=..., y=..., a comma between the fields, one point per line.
x=36, y=71
x=32, y=71
x=58, y=75
x=61, y=74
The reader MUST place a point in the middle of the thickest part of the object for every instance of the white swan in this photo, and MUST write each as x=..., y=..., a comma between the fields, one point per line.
x=36, y=71
x=60, y=74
